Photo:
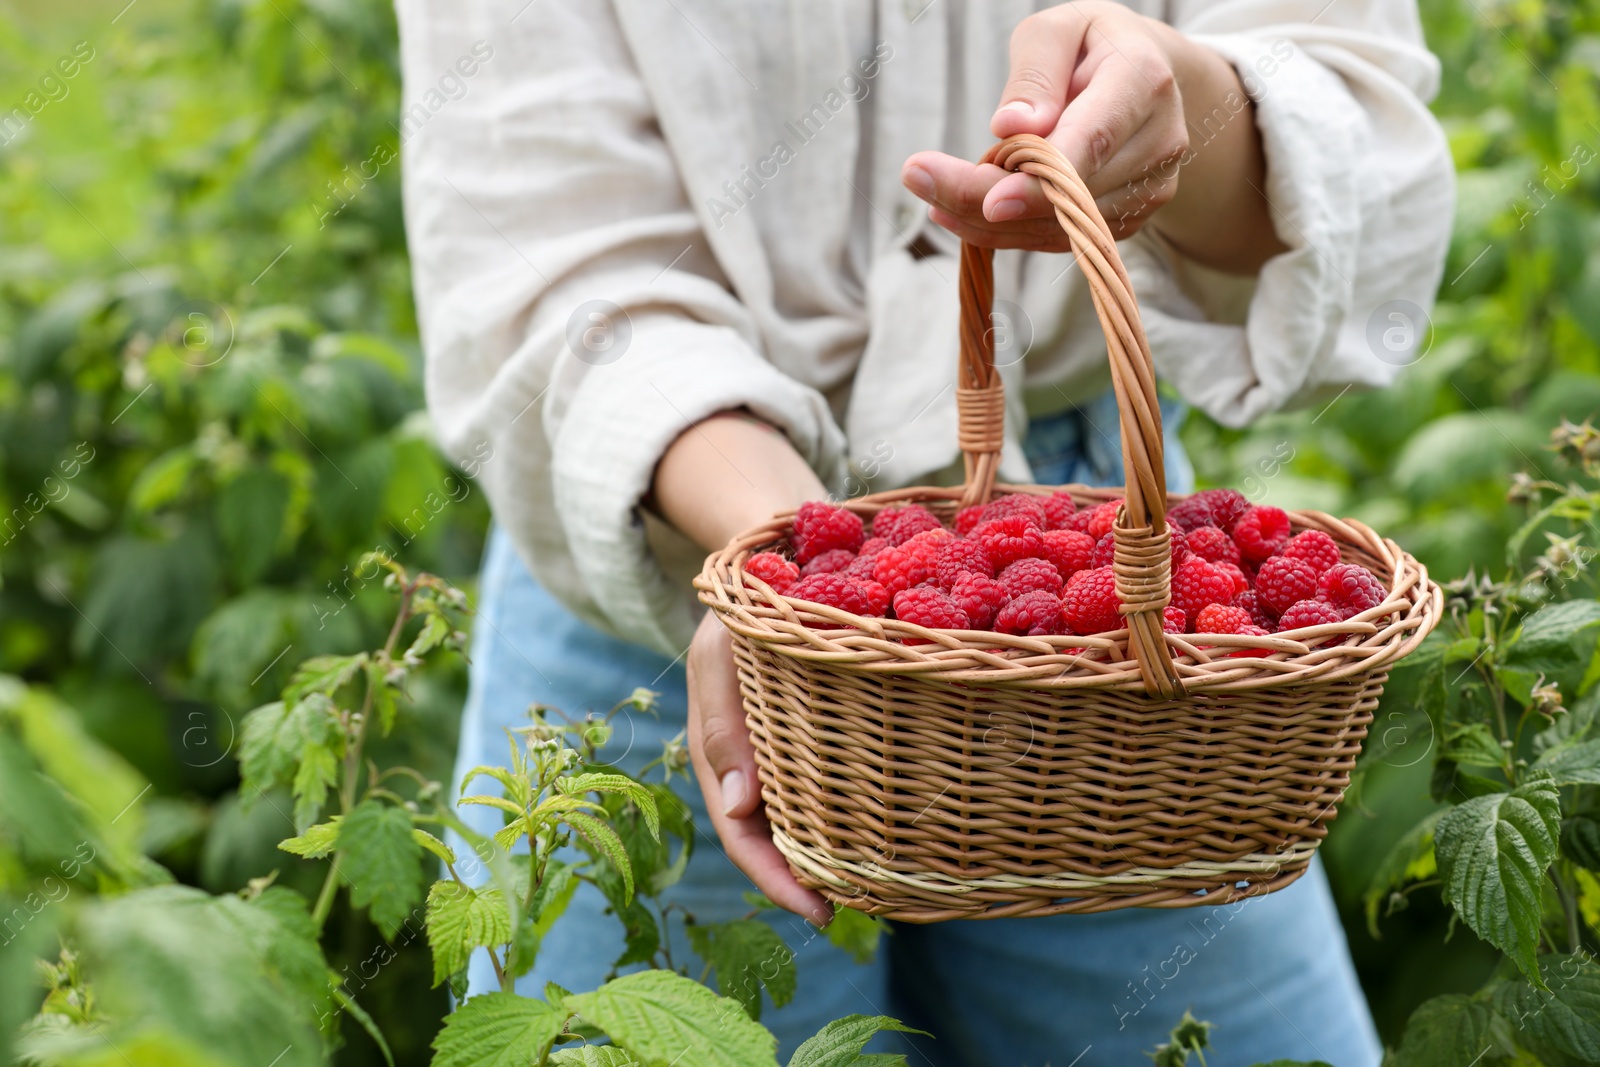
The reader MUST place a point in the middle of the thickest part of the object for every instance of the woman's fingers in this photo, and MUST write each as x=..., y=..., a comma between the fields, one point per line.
x=725, y=767
x=1044, y=53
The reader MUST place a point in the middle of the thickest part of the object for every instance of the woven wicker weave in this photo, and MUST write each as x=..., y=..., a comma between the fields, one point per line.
x=979, y=775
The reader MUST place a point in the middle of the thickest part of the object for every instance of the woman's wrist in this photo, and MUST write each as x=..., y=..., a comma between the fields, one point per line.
x=1220, y=215
x=727, y=473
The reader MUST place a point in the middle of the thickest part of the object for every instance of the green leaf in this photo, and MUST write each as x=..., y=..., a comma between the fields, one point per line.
x=162, y=481
x=461, y=919
x=1572, y=728
x=498, y=1030
x=1451, y=1031
x=251, y=513
x=615, y=783
x=839, y=1044
x=1493, y=852
x=297, y=745
x=1564, y=1015
x=664, y=1019
x=443, y=851
x=1409, y=859
x=431, y=636
x=1474, y=745
x=855, y=932
x=381, y=863
x=316, y=842
x=747, y=954
x=385, y=701
x=323, y=674
x=605, y=840
x=1572, y=764
x=1557, y=641
x=593, y=1056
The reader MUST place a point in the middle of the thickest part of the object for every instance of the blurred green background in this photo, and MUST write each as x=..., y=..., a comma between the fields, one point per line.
x=210, y=404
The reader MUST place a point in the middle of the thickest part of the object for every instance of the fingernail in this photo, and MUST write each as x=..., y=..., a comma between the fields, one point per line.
x=1019, y=106
x=1006, y=210
x=733, y=788
x=919, y=181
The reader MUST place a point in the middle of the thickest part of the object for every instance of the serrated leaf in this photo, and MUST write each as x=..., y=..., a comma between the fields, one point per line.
x=317, y=775
x=1493, y=852
x=593, y=1056
x=1450, y=1031
x=381, y=863
x=615, y=783
x=1474, y=745
x=1565, y=1015
x=460, y=919
x=251, y=511
x=664, y=1019
x=839, y=1044
x=323, y=674
x=1408, y=859
x=443, y=851
x=747, y=955
x=432, y=635
x=316, y=842
x=297, y=745
x=604, y=839
x=1572, y=764
x=498, y=1030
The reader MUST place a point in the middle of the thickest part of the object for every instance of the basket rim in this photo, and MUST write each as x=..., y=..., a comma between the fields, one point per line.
x=822, y=635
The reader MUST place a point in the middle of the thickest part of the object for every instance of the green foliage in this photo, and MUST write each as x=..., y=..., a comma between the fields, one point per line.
x=839, y=1044
x=662, y=1018
x=747, y=955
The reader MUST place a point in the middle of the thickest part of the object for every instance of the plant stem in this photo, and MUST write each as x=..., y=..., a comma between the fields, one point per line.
x=330, y=885
x=352, y=756
x=506, y=984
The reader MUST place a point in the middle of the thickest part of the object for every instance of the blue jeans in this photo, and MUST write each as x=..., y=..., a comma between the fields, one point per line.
x=1273, y=973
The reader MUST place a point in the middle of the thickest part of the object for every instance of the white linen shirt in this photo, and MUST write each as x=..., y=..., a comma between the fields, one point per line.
x=627, y=215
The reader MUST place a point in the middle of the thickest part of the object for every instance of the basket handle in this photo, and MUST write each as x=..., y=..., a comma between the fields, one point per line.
x=1142, y=559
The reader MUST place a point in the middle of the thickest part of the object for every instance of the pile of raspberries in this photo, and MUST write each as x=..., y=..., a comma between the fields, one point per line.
x=1037, y=566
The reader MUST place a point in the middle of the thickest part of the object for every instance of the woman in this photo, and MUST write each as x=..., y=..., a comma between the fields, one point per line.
x=682, y=265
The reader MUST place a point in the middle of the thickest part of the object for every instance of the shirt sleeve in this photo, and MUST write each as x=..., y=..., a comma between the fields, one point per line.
x=573, y=317
x=1361, y=189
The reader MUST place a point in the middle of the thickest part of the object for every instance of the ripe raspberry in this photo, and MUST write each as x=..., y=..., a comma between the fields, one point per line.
x=1222, y=619
x=773, y=569
x=1259, y=614
x=1089, y=604
x=830, y=562
x=927, y=545
x=1102, y=518
x=930, y=607
x=1035, y=614
x=980, y=596
x=1313, y=547
x=1241, y=580
x=1309, y=613
x=1173, y=620
x=1260, y=533
x=1027, y=575
x=876, y=596
x=1225, y=505
x=1212, y=544
x=1027, y=505
x=898, y=569
x=901, y=524
x=1283, y=581
x=819, y=527
x=1078, y=521
x=1197, y=584
x=1007, y=540
x=1105, y=551
x=872, y=546
x=1351, y=588
x=967, y=519
x=1180, y=544
x=1069, y=550
x=860, y=568
x=1058, y=508
x=961, y=556
x=834, y=590
x=1190, y=515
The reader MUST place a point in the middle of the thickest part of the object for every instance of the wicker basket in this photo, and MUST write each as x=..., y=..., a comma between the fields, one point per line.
x=979, y=775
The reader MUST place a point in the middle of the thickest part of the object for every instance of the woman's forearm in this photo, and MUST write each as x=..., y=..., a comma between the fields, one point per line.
x=1220, y=216
x=728, y=473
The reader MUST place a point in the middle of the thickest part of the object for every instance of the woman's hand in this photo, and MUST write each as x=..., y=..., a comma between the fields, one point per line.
x=725, y=767
x=1127, y=99
x=695, y=491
